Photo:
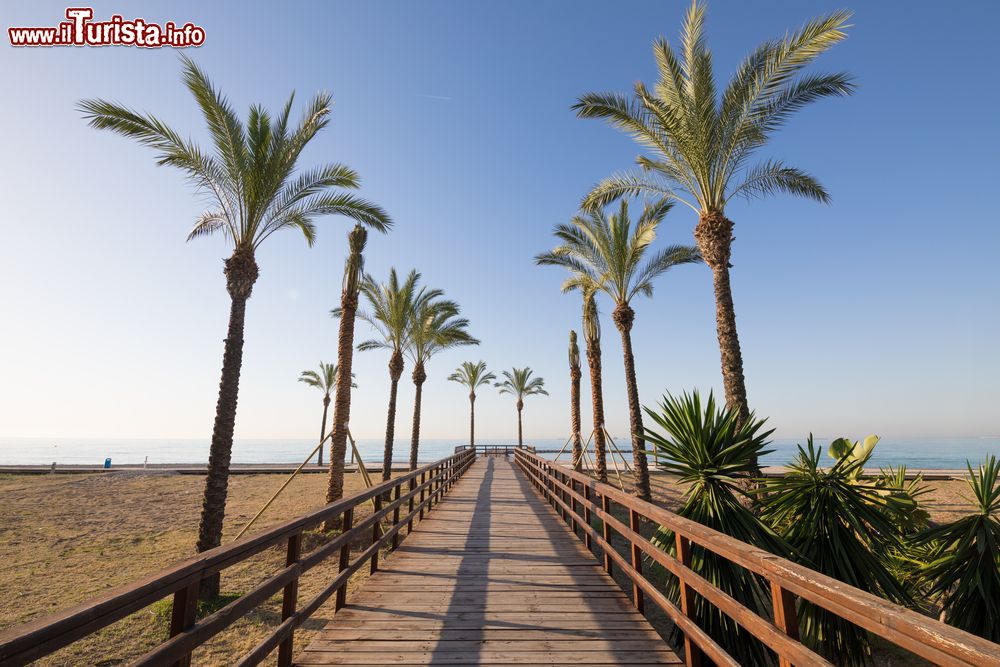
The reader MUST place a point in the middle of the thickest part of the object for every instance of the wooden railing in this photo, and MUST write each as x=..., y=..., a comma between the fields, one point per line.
x=424, y=488
x=584, y=502
x=488, y=450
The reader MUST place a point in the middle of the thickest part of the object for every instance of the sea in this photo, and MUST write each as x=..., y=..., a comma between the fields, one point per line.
x=915, y=453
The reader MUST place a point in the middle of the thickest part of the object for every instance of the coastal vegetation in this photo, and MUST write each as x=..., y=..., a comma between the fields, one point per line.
x=472, y=376
x=325, y=379
x=250, y=179
x=519, y=384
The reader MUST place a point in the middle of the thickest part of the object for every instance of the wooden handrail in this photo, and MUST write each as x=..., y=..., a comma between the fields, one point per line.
x=22, y=644
x=570, y=491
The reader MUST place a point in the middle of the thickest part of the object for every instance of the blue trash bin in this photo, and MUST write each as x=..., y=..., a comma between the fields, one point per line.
x=107, y=463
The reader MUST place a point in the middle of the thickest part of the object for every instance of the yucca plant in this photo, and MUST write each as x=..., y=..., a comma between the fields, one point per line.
x=249, y=177
x=906, y=559
x=701, y=143
x=964, y=565
x=841, y=526
x=712, y=451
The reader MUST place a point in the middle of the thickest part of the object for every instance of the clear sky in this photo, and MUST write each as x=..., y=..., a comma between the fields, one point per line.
x=878, y=313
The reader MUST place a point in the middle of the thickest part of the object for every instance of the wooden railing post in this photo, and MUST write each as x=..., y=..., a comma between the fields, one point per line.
x=184, y=614
x=637, y=597
x=289, y=600
x=409, y=527
x=692, y=654
x=423, y=490
x=345, y=557
x=587, y=516
x=606, y=506
x=376, y=532
x=572, y=501
x=395, y=517
x=785, y=617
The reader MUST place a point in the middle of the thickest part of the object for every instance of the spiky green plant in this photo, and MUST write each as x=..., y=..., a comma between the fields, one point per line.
x=701, y=144
x=472, y=376
x=842, y=527
x=250, y=181
x=711, y=450
x=436, y=327
x=326, y=381
x=519, y=384
x=611, y=254
x=964, y=565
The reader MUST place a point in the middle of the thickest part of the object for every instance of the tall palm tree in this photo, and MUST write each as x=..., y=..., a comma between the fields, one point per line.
x=592, y=336
x=574, y=401
x=325, y=380
x=354, y=269
x=250, y=179
x=701, y=144
x=520, y=384
x=613, y=255
x=436, y=327
x=392, y=306
x=472, y=376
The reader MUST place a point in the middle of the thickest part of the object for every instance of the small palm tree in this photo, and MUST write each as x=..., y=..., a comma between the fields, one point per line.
x=701, y=145
x=325, y=380
x=392, y=306
x=472, y=376
x=574, y=401
x=250, y=180
x=608, y=253
x=520, y=384
x=354, y=268
x=964, y=567
x=592, y=336
x=436, y=327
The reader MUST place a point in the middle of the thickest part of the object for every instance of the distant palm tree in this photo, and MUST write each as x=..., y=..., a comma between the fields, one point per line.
x=520, y=384
x=354, y=269
x=610, y=254
x=436, y=327
x=701, y=144
x=392, y=306
x=574, y=401
x=472, y=376
x=592, y=336
x=325, y=380
x=251, y=183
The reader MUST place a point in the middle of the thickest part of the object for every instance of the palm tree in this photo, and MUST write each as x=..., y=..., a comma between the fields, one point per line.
x=325, y=380
x=392, y=306
x=354, y=268
x=608, y=253
x=436, y=327
x=472, y=376
x=250, y=179
x=520, y=384
x=700, y=145
x=574, y=401
x=592, y=336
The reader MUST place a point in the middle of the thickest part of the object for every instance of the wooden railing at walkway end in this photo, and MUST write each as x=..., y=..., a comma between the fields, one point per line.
x=592, y=510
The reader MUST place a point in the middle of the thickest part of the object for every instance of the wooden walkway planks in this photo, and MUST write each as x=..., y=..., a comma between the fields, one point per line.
x=491, y=577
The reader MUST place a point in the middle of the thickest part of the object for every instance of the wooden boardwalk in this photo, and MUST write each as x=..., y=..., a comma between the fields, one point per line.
x=492, y=577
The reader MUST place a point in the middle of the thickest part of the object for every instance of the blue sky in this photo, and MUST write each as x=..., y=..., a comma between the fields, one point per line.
x=877, y=313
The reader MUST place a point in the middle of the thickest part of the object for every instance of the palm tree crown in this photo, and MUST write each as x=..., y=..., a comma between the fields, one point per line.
x=702, y=144
x=606, y=252
x=250, y=179
x=520, y=384
x=472, y=375
x=391, y=308
x=436, y=327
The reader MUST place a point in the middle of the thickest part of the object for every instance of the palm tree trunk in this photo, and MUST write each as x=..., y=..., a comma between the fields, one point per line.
x=623, y=317
x=574, y=411
x=322, y=431
x=395, y=371
x=520, y=438
x=342, y=402
x=714, y=235
x=418, y=380
x=597, y=398
x=241, y=274
x=472, y=419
